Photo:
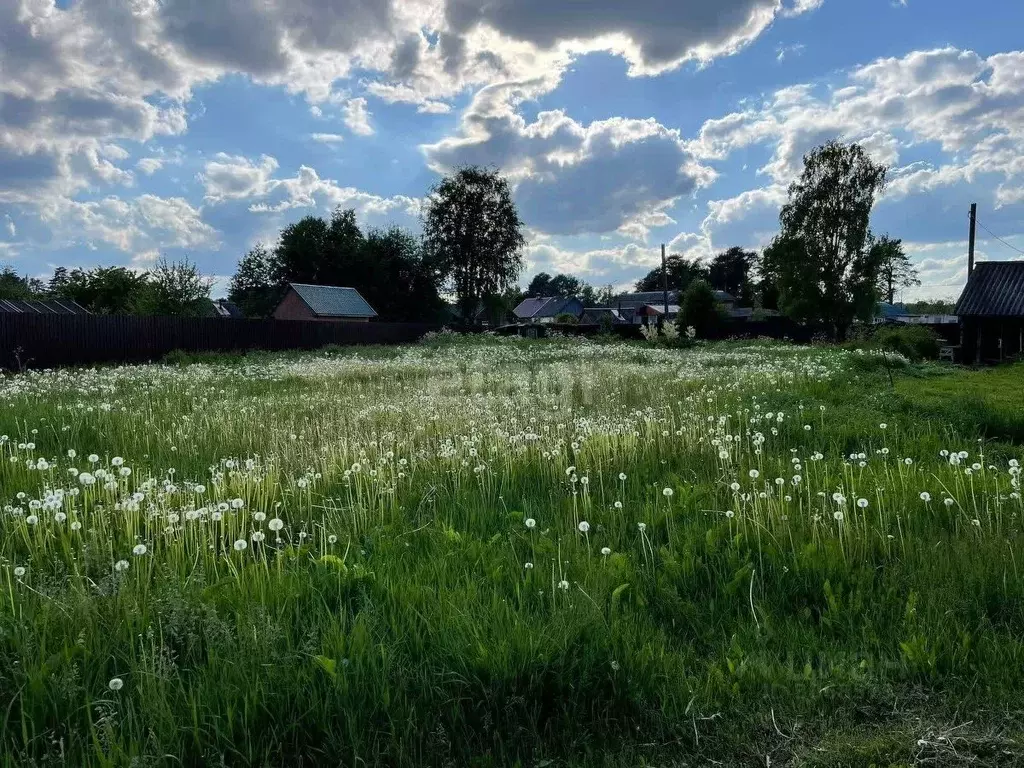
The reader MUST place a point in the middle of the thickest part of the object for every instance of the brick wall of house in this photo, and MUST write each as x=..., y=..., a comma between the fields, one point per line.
x=294, y=308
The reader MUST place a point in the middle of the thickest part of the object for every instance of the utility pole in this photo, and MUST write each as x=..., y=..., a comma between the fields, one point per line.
x=970, y=243
x=664, y=279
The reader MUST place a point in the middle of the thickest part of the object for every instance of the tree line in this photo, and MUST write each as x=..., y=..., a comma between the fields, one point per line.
x=169, y=288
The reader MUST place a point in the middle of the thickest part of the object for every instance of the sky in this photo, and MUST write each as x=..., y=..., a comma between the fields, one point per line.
x=134, y=129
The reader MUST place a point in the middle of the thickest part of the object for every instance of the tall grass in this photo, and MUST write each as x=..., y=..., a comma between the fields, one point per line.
x=496, y=553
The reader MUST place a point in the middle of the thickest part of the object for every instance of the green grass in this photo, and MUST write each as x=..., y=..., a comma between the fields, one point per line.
x=392, y=620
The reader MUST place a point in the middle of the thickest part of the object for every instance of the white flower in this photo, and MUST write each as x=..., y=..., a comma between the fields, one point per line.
x=121, y=565
x=241, y=544
x=667, y=493
x=93, y=458
x=115, y=684
x=86, y=479
x=200, y=489
x=807, y=427
x=925, y=496
x=622, y=475
x=259, y=517
x=883, y=425
x=19, y=571
x=117, y=461
x=528, y=566
x=606, y=551
x=332, y=539
x=563, y=584
x=139, y=549
x=642, y=527
x=259, y=536
x=908, y=461
x=32, y=519
x=730, y=514
x=276, y=524
x=976, y=523
x=734, y=486
x=862, y=503
x=237, y=503
x=531, y=523
x=754, y=474
x=584, y=526
x=617, y=505
x=838, y=515
x=76, y=526
x=948, y=502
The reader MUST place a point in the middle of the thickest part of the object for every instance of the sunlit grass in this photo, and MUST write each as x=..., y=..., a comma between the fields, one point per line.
x=483, y=553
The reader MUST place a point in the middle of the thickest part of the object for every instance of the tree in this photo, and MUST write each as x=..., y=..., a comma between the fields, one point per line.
x=472, y=235
x=824, y=272
x=680, y=274
x=730, y=271
x=107, y=290
x=932, y=307
x=178, y=288
x=390, y=273
x=303, y=253
x=894, y=268
x=699, y=310
x=253, y=288
x=17, y=287
x=540, y=285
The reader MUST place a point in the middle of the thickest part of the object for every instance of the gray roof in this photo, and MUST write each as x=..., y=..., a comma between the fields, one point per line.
x=995, y=289
x=332, y=301
x=42, y=307
x=546, y=306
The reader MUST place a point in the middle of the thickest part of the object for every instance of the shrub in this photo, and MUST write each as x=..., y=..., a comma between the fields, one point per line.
x=912, y=341
x=699, y=311
x=566, y=319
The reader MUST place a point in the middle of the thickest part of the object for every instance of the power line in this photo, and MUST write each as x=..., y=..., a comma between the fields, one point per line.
x=997, y=237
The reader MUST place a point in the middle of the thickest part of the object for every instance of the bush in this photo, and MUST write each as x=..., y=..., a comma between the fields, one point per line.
x=912, y=341
x=699, y=311
x=566, y=319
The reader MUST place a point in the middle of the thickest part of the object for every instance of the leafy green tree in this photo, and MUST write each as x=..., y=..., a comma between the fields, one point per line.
x=681, y=273
x=473, y=235
x=823, y=270
x=303, y=253
x=108, y=290
x=894, y=268
x=17, y=287
x=178, y=288
x=390, y=272
x=731, y=271
x=932, y=307
x=540, y=285
x=253, y=288
x=699, y=310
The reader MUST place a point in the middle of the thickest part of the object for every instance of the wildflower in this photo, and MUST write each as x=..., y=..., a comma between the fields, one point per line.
x=200, y=489
x=838, y=515
x=883, y=425
x=139, y=550
x=86, y=479
x=93, y=458
x=276, y=524
x=754, y=474
x=948, y=502
x=259, y=517
x=115, y=684
x=730, y=514
x=908, y=461
x=117, y=461
x=531, y=523
x=240, y=545
x=237, y=503
x=32, y=519
x=734, y=486
x=528, y=566
x=976, y=523
x=622, y=475
x=258, y=536
x=615, y=666
x=332, y=539
x=606, y=551
x=563, y=584
x=925, y=496
x=60, y=517
x=807, y=427
x=862, y=503
x=667, y=493
x=642, y=527
x=76, y=526
x=584, y=526
x=19, y=571
x=617, y=505
x=121, y=565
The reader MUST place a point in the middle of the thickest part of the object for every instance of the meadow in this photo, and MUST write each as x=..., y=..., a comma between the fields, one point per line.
x=535, y=553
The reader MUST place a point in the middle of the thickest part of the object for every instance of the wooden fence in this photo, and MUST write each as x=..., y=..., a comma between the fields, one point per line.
x=47, y=341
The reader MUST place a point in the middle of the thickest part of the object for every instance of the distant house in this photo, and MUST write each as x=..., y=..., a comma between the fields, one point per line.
x=42, y=307
x=898, y=313
x=225, y=308
x=601, y=316
x=991, y=312
x=326, y=303
x=547, y=309
x=649, y=306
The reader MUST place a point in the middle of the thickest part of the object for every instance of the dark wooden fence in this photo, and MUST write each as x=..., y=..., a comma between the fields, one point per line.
x=47, y=341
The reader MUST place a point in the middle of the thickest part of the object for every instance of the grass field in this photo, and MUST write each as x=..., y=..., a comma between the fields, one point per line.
x=518, y=553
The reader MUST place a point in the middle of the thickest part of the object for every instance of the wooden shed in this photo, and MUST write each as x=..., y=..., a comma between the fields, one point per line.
x=991, y=312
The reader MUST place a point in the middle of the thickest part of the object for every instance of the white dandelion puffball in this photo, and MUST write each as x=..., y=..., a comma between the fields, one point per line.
x=76, y=526
x=667, y=492
x=276, y=524
x=259, y=536
x=617, y=505
x=332, y=539
x=754, y=474
x=948, y=502
x=606, y=551
x=60, y=517
x=117, y=461
x=563, y=584
x=734, y=486
x=838, y=515
x=115, y=684
x=19, y=571
x=200, y=489
x=642, y=527
x=93, y=458
x=622, y=475
x=925, y=496
x=139, y=549
x=259, y=517
x=32, y=519
x=528, y=566
x=584, y=526
x=121, y=565
x=531, y=523
x=240, y=545
x=237, y=503
x=862, y=503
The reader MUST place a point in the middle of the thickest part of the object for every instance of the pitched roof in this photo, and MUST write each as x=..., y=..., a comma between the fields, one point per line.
x=42, y=307
x=546, y=306
x=994, y=289
x=333, y=301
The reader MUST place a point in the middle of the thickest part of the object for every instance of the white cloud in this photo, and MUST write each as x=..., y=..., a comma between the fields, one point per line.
x=357, y=117
x=12, y=230
x=235, y=178
x=150, y=165
x=327, y=138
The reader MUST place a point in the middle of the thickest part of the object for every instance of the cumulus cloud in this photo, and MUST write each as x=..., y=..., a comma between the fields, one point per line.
x=357, y=117
x=572, y=178
x=327, y=138
x=149, y=165
x=235, y=178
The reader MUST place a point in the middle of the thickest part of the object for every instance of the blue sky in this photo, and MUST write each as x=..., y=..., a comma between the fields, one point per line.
x=134, y=129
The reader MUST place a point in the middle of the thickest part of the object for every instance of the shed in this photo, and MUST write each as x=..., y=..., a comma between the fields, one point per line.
x=991, y=312
x=326, y=303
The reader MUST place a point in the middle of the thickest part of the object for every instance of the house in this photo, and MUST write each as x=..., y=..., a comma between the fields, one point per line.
x=325, y=303
x=898, y=313
x=649, y=306
x=547, y=309
x=42, y=307
x=991, y=312
x=601, y=316
x=227, y=309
